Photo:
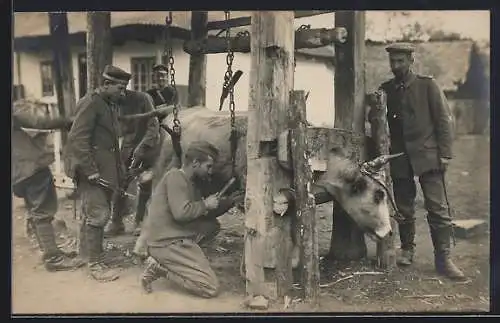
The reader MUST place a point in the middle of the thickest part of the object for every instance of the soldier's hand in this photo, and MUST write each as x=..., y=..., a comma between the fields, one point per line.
x=94, y=177
x=444, y=162
x=212, y=202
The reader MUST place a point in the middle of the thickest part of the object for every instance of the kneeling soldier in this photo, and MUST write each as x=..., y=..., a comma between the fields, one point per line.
x=179, y=220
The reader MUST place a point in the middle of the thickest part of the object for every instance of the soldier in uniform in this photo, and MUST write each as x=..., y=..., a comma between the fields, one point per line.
x=33, y=181
x=141, y=146
x=180, y=219
x=92, y=156
x=420, y=125
x=162, y=94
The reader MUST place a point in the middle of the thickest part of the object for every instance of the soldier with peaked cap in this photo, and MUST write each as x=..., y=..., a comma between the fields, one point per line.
x=420, y=124
x=91, y=155
x=180, y=219
x=162, y=94
x=33, y=181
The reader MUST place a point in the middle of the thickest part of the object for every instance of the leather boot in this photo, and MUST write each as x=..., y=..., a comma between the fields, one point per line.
x=144, y=193
x=152, y=272
x=407, y=237
x=97, y=269
x=54, y=259
x=441, y=239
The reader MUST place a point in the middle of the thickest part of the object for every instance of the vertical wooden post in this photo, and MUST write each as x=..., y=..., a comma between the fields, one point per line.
x=347, y=241
x=99, y=47
x=63, y=66
x=304, y=199
x=198, y=62
x=271, y=80
x=386, y=253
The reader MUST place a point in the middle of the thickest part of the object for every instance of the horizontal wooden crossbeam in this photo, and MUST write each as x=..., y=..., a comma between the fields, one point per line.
x=304, y=38
x=245, y=21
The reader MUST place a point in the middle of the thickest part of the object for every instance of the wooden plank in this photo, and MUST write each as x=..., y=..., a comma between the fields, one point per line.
x=304, y=200
x=99, y=47
x=245, y=21
x=198, y=62
x=305, y=38
x=266, y=236
x=386, y=250
x=63, y=66
x=347, y=241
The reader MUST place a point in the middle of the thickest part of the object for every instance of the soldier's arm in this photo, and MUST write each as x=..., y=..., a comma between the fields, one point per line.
x=80, y=138
x=23, y=117
x=441, y=116
x=182, y=207
x=153, y=126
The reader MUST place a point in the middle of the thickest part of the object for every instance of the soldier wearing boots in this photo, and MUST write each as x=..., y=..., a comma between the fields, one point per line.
x=140, y=147
x=33, y=181
x=91, y=158
x=420, y=125
x=162, y=95
x=180, y=220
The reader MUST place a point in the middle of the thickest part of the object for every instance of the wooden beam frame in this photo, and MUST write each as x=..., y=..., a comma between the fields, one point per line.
x=198, y=63
x=246, y=21
x=268, y=237
x=99, y=47
x=304, y=38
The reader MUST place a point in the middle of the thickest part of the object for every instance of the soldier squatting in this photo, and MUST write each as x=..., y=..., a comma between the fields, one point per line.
x=178, y=217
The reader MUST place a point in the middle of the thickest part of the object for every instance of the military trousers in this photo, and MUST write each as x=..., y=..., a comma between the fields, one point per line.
x=39, y=194
x=96, y=204
x=187, y=266
x=435, y=199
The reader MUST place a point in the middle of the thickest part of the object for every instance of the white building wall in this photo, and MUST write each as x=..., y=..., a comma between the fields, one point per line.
x=309, y=76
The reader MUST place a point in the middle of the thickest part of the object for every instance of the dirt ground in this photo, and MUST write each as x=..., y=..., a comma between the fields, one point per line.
x=416, y=289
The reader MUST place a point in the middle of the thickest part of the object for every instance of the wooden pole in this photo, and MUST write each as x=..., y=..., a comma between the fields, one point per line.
x=99, y=47
x=268, y=235
x=304, y=199
x=198, y=62
x=386, y=252
x=306, y=38
x=347, y=241
x=63, y=66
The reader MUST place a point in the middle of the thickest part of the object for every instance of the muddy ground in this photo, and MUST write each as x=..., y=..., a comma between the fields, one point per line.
x=416, y=289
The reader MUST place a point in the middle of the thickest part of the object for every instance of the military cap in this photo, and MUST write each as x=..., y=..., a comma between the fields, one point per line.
x=160, y=67
x=204, y=147
x=400, y=48
x=115, y=74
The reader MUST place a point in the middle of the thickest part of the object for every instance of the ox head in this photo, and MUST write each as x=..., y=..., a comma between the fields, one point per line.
x=362, y=197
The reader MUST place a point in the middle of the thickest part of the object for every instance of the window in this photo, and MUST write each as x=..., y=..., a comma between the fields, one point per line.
x=47, y=78
x=142, y=73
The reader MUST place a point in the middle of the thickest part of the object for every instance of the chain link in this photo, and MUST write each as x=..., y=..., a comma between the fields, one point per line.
x=177, y=123
x=227, y=78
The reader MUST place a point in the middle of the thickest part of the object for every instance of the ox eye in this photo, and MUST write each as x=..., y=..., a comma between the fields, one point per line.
x=378, y=196
x=359, y=185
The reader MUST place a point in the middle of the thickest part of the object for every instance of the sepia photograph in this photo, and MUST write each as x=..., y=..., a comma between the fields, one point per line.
x=308, y=161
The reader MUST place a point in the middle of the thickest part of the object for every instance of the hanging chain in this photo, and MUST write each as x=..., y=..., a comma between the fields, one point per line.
x=227, y=78
x=177, y=123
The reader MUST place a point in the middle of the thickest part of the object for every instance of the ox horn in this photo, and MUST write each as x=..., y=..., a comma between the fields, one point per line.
x=382, y=160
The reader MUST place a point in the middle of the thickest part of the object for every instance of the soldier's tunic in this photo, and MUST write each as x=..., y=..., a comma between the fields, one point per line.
x=421, y=126
x=140, y=136
x=177, y=222
x=161, y=96
x=93, y=148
